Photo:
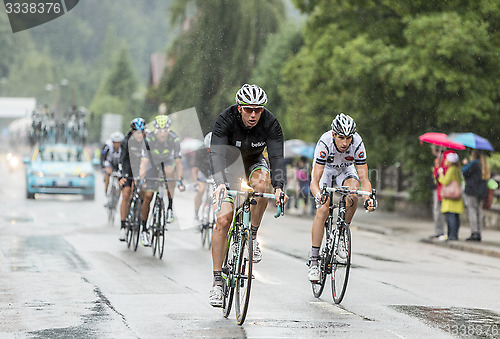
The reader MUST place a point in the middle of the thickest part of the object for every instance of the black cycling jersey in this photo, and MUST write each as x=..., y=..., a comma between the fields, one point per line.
x=229, y=130
x=130, y=159
x=162, y=151
x=202, y=162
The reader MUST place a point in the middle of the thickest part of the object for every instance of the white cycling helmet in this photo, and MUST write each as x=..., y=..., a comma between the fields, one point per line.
x=117, y=136
x=344, y=125
x=208, y=139
x=251, y=95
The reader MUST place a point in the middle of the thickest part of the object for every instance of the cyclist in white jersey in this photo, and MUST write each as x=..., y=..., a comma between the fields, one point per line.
x=339, y=158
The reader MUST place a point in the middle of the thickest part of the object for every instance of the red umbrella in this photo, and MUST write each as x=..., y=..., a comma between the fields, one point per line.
x=440, y=139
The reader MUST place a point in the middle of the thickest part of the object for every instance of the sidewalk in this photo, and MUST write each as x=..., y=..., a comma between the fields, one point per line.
x=395, y=224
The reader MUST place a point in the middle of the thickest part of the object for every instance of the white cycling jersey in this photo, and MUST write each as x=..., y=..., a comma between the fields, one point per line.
x=337, y=164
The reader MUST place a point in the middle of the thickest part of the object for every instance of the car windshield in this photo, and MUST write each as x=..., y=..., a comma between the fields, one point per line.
x=60, y=154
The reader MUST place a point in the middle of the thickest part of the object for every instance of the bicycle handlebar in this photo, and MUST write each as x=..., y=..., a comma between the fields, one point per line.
x=280, y=211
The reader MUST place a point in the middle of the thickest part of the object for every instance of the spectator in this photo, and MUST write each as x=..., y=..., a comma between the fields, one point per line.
x=452, y=208
x=476, y=174
x=436, y=212
x=304, y=190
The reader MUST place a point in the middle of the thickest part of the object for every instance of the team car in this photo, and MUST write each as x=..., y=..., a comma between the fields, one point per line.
x=60, y=169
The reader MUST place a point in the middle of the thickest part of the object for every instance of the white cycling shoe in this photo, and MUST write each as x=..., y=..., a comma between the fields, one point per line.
x=215, y=296
x=313, y=274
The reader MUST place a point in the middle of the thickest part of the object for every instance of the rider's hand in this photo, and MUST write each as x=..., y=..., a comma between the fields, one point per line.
x=370, y=205
x=277, y=195
x=217, y=193
x=319, y=199
x=181, y=186
x=122, y=181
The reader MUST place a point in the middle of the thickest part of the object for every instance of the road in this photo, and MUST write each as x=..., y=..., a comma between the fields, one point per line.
x=65, y=274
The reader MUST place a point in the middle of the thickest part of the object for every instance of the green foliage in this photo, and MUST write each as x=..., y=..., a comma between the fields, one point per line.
x=215, y=53
x=279, y=48
x=400, y=70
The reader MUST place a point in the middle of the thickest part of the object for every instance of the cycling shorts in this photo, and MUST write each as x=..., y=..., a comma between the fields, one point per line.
x=339, y=175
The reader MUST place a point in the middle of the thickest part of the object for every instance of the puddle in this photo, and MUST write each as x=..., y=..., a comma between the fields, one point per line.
x=457, y=321
x=14, y=219
x=42, y=254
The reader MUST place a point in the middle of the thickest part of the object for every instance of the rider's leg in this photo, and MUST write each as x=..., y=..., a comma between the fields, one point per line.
x=125, y=206
x=260, y=181
x=147, y=197
x=219, y=237
x=107, y=175
x=198, y=197
x=351, y=200
x=169, y=173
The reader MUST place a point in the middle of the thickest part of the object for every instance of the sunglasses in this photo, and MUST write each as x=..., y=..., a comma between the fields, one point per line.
x=250, y=109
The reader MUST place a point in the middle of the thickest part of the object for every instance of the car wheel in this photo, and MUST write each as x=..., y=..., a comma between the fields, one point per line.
x=89, y=197
x=30, y=195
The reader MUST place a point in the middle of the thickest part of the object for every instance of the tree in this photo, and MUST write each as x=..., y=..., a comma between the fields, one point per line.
x=400, y=70
x=279, y=48
x=215, y=53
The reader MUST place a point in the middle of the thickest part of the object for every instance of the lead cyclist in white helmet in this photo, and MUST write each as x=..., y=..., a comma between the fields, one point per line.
x=340, y=155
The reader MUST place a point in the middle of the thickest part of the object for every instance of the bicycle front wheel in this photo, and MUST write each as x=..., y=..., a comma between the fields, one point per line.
x=158, y=231
x=341, y=263
x=244, y=277
x=228, y=288
x=136, y=224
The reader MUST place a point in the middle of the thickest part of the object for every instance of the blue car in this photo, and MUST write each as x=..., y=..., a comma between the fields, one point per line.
x=60, y=169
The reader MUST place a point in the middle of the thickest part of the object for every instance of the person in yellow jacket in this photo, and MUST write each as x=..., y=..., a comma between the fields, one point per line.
x=452, y=208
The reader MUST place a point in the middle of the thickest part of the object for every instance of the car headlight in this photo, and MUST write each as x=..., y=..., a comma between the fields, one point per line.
x=37, y=173
x=86, y=175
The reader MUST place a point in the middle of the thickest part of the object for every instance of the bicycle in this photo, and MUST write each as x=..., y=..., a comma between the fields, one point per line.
x=208, y=215
x=133, y=221
x=238, y=262
x=113, y=196
x=335, y=257
x=157, y=219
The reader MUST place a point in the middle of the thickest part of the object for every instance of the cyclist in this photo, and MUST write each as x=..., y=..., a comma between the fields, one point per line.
x=340, y=154
x=200, y=172
x=247, y=127
x=164, y=154
x=110, y=156
x=129, y=164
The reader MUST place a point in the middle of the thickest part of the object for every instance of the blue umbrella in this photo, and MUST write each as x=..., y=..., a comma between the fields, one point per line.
x=473, y=141
x=305, y=150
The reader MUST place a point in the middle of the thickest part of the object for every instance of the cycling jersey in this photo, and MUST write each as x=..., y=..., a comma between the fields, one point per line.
x=202, y=162
x=162, y=151
x=339, y=165
x=131, y=155
x=229, y=130
x=110, y=157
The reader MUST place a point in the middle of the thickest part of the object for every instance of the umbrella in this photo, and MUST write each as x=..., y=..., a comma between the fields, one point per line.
x=305, y=150
x=190, y=145
x=440, y=139
x=473, y=141
x=289, y=144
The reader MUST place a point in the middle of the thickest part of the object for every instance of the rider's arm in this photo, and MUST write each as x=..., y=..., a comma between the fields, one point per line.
x=219, y=145
x=194, y=173
x=317, y=173
x=275, y=151
x=143, y=167
x=179, y=168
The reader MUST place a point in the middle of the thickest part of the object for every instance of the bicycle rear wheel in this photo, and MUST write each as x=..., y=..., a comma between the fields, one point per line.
x=111, y=204
x=244, y=277
x=341, y=265
x=204, y=224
